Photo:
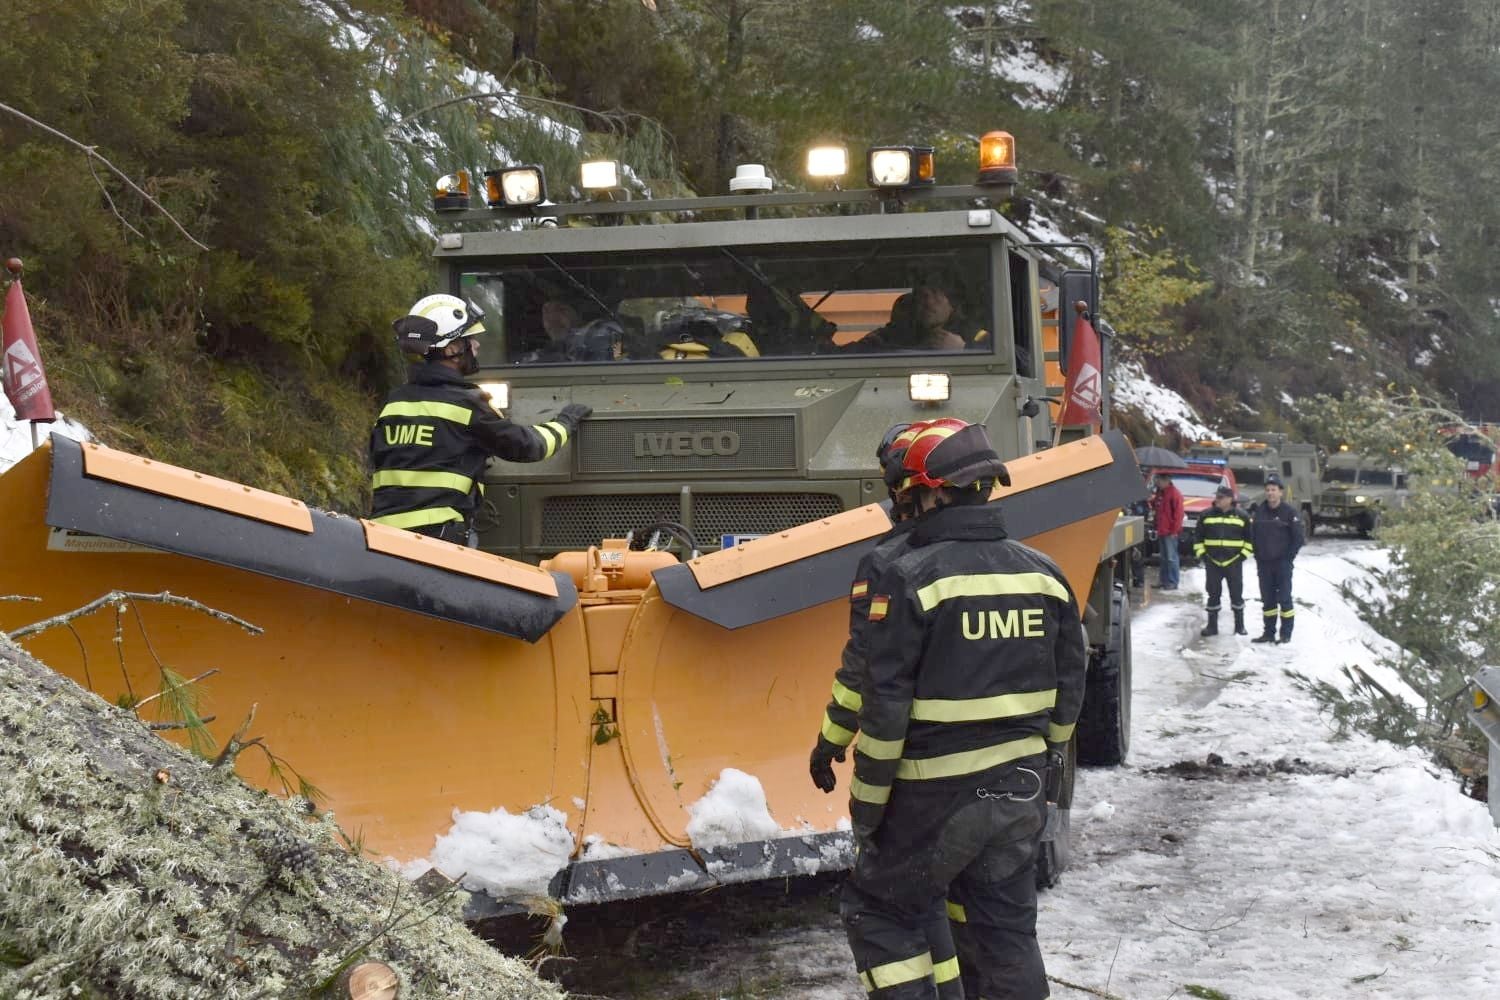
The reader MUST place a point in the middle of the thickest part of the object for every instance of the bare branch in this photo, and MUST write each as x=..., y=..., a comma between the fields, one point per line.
x=157, y=727
x=95, y=154
x=18, y=597
x=111, y=201
x=119, y=596
x=1085, y=989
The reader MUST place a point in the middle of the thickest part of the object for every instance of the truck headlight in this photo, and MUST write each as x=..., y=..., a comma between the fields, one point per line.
x=900, y=166
x=498, y=392
x=1361, y=499
x=927, y=387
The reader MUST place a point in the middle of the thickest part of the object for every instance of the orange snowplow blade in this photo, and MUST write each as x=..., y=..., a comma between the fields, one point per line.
x=409, y=679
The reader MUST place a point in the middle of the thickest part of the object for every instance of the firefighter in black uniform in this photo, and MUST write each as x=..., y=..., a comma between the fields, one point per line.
x=1223, y=544
x=432, y=439
x=841, y=719
x=1276, y=531
x=974, y=671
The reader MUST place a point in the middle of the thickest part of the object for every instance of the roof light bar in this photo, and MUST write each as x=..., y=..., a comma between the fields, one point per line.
x=900, y=166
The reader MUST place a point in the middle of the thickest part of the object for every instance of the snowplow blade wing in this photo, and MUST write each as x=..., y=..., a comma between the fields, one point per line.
x=112, y=495
x=1056, y=502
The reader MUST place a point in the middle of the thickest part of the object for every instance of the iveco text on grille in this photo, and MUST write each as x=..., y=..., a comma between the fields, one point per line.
x=686, y=443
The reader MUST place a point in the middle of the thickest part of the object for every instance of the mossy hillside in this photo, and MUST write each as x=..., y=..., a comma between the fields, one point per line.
x=133, y=869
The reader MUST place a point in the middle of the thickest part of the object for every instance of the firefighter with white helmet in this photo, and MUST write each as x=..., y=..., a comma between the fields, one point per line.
x=436, y=432
x=973, y=680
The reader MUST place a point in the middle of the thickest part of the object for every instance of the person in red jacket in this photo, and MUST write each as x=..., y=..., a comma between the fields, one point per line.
x=1168, y=507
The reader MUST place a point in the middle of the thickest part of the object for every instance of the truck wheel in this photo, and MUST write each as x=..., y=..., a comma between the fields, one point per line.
x=1309, y=526
x=1056, y=849
x=1368, y=522
x=1104, y=724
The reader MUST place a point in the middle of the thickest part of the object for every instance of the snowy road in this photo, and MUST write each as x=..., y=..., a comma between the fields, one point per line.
x=1355, y=871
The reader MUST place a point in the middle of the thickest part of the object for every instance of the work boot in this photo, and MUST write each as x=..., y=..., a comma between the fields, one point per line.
x=1212, y=628
x=1239, y=622
x=1286, y=630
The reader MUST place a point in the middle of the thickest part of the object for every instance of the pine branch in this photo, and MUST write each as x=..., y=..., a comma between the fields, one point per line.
x=174, y=688
x=94, y=153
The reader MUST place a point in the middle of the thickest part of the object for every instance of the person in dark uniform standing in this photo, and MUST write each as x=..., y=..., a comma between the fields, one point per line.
x=1223, y=544
x=973, y=680
x=436, y=432
x=1276, y=533
x=841, y=718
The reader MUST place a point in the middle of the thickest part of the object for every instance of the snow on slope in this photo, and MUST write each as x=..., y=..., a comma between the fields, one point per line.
x=15, y=435
x=1131, y=387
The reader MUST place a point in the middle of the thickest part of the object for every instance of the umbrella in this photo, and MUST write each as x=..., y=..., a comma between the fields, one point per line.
x=1159, y=458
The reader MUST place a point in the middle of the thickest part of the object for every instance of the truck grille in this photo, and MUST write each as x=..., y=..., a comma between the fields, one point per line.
x=1337, y=500
x=677, y=445
x=576, y=522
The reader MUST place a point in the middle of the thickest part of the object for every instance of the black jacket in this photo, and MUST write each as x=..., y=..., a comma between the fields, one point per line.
x=975, y=657
x=841, y=720
x=430, y=444
x=1223, y=536
x=1276, y=532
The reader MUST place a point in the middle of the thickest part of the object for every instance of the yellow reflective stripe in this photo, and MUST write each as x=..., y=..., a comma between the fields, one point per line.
x=1229, y=542
x=1289, y=613
x=835, y=733
x=847, y=697
x=442, y=411
x=1060, y=734
x=874, y=794
x=867, y=982
x=1237, y=521
x=1000, y=706
x=880, y=749
x=970, y=761
x=549, y=439
x=956, y=912
x=410, y=477
x=896, y=973
x=945, y=971
x=990, y=585
x=419, y=518
x=561, y=430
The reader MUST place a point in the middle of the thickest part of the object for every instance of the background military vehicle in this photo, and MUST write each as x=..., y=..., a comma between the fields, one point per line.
x=1253, y=455
x=1357, y=491
x=741, y=365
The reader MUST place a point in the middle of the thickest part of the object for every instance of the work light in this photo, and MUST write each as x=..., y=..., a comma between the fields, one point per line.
x=900, y=166
x=599, y=175
x=516, y=186
x=927, y=387
x=827, y=162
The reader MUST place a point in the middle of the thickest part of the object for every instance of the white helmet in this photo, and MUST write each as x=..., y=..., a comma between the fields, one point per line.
x=436, y=321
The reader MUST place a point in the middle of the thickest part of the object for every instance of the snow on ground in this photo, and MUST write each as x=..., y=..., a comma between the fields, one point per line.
x=1132, y=387
x=15, y=435
x=1356, y=870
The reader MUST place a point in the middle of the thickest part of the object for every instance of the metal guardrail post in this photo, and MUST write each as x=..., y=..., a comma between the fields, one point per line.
x=1484, y=712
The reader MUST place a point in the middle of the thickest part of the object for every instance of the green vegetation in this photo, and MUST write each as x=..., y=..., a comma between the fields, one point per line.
x=1439, y=600
x=1276, y=217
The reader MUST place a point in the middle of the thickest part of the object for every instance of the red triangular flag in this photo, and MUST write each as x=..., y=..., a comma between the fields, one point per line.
x=21, y=373
x=1084, y=393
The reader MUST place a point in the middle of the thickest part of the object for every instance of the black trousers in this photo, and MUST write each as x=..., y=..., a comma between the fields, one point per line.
x=970, y=853
x=1215, y=576
x=1275, y=591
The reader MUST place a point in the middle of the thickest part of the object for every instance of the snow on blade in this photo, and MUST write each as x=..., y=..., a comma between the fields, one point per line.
x=499, y=853
x=15, y=435
x=733, y=812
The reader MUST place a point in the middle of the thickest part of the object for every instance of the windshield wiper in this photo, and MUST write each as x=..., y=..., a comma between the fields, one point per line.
x=838, y=285
x=580, y=286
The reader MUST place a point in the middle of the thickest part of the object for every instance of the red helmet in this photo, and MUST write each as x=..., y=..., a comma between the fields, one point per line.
x=952, y=452
x=891, y=451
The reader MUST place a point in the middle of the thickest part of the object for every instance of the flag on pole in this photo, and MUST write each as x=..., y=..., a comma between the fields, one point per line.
x=1084, y=393
x=21, y=373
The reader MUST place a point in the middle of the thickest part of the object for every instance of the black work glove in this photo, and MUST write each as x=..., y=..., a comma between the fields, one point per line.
x=574, y=413
x=820, y=766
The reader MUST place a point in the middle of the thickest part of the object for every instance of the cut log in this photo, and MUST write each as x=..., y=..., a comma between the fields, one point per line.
x=133, y=869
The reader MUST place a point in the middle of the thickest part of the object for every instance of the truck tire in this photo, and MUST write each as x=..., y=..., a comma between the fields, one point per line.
x=1309, y=526
x=1104, y=724
x=1368, y=522
x=1055, y=852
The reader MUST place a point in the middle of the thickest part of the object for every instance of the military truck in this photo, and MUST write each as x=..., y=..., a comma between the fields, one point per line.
x=641, y=650
x=1253, y=455
x=1357, y=491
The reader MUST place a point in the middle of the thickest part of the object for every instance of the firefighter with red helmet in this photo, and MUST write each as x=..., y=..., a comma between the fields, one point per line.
x=972, y=683
x=431, y=441
x=841, y=719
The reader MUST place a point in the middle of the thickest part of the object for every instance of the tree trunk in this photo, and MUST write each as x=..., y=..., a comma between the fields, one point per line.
x=135, y=870
x=727, y=150
x=528, y=25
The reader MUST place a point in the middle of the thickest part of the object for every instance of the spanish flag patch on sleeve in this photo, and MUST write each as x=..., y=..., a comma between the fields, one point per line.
x=879, y=605
x=860, y=589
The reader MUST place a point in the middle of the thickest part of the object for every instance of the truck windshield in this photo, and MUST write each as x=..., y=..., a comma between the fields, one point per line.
x=1376, y=477
x=736, y=303
x=1249, y=476
x=1339, y=474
